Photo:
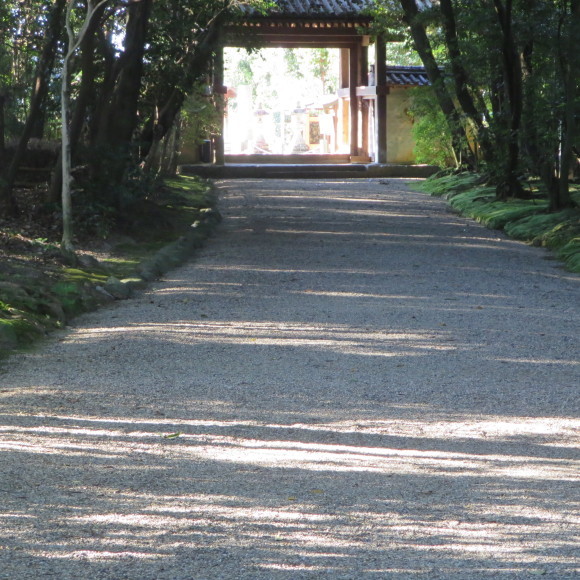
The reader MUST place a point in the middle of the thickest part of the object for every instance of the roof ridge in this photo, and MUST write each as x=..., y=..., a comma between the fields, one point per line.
x=307, y=8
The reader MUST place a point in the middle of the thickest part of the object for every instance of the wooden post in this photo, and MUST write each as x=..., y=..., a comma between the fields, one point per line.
x=219, y=93
x=343, y=68
x=382, y=90
x=364, y=106
x=353, y=80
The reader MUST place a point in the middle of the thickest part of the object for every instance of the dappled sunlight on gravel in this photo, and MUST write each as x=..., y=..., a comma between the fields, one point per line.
x=340, y=339
x=132, y=505
x=347, y=383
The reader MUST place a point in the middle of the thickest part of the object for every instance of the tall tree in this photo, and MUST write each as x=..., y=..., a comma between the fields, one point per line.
x=512, y=101
x=44, y=71
x=118, y=119
x=514, y=68
x=570, y=70
x=462, y=81
x=417, y=28
x=183, y=47
x=86, y=91
x=74, y=41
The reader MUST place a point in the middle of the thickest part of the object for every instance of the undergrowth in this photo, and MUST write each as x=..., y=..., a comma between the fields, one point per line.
x=527, y=220
x=38, y=296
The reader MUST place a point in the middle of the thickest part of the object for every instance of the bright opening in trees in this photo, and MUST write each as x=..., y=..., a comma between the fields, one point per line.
x=280, y=100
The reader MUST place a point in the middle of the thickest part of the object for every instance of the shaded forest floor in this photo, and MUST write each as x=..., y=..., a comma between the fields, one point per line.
x=40, y=290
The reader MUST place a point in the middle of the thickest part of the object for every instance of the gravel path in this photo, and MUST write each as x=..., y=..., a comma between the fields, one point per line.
x=348, y=382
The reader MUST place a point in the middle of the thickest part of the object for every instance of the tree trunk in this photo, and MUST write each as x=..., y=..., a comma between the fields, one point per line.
x=44, y=70
x=119, y=118
x=571, y=74
x=423, y=47
x=2, y=135
x=73, y=44
x=107, y=86
x=170, y=155
x=86, y=92
x=66, y=243
x=510, y=185
x=461, y=79
x=175, y=152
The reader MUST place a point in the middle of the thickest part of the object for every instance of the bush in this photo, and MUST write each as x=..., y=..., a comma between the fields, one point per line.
x=430, y=130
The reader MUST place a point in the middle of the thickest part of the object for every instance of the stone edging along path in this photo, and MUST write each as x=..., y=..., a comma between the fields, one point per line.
x=91, y=295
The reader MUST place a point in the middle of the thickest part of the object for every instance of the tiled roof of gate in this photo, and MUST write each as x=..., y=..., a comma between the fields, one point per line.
x=407, y=76
x=308, y=8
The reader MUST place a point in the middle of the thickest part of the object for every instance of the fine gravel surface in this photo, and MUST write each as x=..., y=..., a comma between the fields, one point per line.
x=348, y=382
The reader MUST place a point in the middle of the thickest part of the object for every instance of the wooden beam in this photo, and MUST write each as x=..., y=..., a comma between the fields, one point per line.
x=311, y=34
x=294, y=40
x=363, y=67
x=298, y=30
x=281, y=42
x=365, y=92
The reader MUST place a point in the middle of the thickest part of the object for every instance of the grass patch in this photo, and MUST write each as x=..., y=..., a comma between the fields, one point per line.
x=17, y=331
x=525, y=220
x=448, y=185
x=82, y=276
x=123, y=267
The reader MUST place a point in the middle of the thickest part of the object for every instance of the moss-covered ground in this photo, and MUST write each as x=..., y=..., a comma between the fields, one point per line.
x=40, y=290
x=527, y=220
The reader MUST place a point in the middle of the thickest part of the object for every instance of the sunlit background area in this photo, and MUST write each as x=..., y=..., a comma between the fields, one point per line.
x=281, y=101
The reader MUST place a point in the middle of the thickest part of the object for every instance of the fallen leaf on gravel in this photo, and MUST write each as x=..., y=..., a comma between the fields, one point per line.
x=316, y=491
x=172, y=435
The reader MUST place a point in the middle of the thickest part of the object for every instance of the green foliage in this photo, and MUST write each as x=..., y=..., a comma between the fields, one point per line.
x=450, y=184
x=430, y=129
x=17, y=331
x=513, y=77
x=321, y=67
x=199, y=116
x=481, y=205
x=70, y=297
x=402, y=54
x=553, y=230
x=570, y=253
x=293, y=66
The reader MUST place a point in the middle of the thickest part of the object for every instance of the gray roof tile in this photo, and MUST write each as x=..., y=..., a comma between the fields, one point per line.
x=407, y=76
x=308, y=8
